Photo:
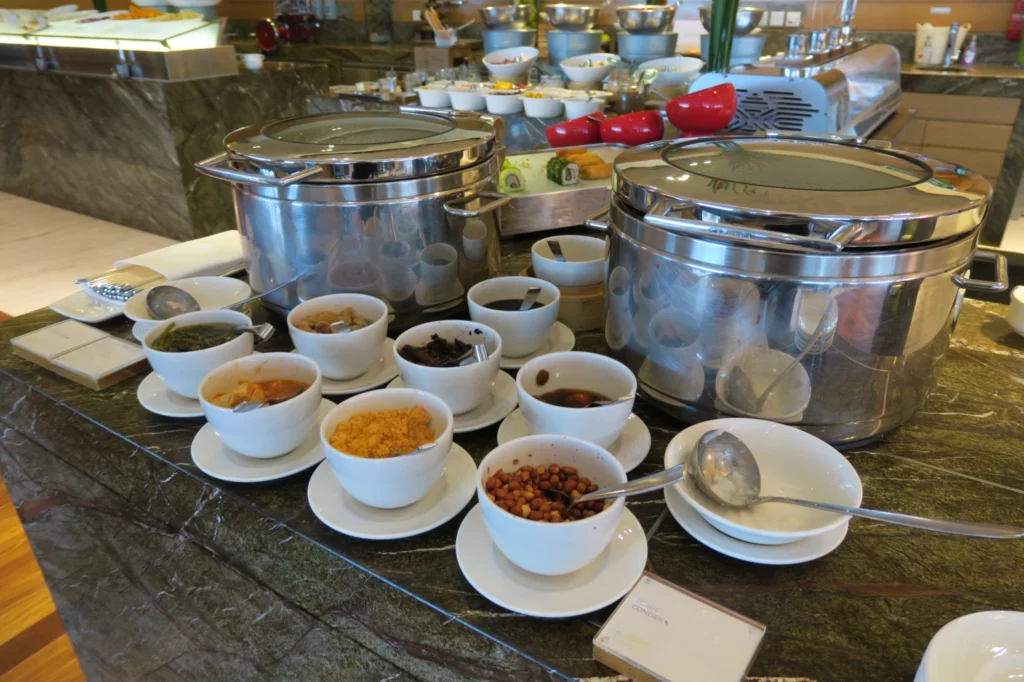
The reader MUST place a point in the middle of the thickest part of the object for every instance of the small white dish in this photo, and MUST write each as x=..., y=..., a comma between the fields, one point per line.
x=503, y=102
x=583, y=265
x=340, y=511
x=792, y=464
x=579, y=106
x=1015, y=314
x=600, y=583
x=548, y=105
x=527, y=55
x=790, y=553
x=574, y=68
x=470, y=98
x=631, y=447
x=214, y=458
x=381, y=372
x=85, y=307
x=211, y=293
x=980, y=647
x=155, y=396
x=674, y=71
x=434, y=97
x=495, y=407
x=560, y=339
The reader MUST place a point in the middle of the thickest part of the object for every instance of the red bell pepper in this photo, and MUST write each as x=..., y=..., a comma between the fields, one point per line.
x=640, y=127
x=577, y=132
x=705, y=111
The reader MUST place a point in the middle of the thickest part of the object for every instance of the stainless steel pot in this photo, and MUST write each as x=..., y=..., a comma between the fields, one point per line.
x=396, y=204
x=829, y=268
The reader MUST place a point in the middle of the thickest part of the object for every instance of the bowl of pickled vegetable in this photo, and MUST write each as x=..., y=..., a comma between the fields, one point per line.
x=340, y=354
x=186, y=348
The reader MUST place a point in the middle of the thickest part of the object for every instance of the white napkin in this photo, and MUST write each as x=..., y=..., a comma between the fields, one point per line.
x=211, y=255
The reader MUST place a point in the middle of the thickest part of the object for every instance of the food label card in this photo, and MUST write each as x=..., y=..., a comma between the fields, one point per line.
x=661, y=632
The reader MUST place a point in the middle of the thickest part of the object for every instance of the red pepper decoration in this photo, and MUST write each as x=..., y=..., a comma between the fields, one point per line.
x=639, y=127
x=705, y=111
x=577, y=132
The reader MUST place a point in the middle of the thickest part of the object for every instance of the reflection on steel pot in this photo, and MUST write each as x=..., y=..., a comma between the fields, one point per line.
x=370, y=202
x=800, y=279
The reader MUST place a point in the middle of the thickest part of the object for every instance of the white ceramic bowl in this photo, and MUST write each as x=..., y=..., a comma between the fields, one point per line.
x=513, y=70
x=503, y=102
x=674, y=71
x=269, y=431
x=183, y=372
x=521, y=333
x=573, y=369
x=547, y=106
x=342, y=356
x=584, y=261
x=581, y=105
x=576, y=72
x=468, y=98
x=434, y=97
x=551, y=548
x=980, y=647
x=211, y=293
x=793, y=464
x=395, y=481
x=462, y=388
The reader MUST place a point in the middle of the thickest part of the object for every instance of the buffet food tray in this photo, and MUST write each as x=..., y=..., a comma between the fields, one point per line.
x=546, y=205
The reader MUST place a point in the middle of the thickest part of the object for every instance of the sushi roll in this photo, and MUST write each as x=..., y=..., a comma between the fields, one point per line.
x=511, y=179
x=563, y=171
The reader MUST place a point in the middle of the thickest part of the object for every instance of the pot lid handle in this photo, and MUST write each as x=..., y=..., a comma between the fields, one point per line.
x=824, y=137
x=217, y=167
x=658, y=216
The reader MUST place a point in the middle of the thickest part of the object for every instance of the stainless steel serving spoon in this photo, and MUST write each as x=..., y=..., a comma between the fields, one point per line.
x=531, y=297
x=166, y=301
x=725, y=470
x=556, y=250
x=250, y=405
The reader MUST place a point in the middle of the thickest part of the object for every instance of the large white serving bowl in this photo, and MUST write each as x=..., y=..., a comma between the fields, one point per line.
x=979, y=647
x=183, y=372
x=574, y=369
x=395, y=481
x=528, y=56
x=674, y=71
x=551, y=548
x=523, y=332
x=269, y=431
x=462, y=388
x=584, y=261
x=211, y=293
x=792, y=464
x=576, y=71
x=342, y=356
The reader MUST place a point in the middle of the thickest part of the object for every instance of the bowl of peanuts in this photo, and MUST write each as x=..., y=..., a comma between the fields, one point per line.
x=525, y=488
x=387, y=448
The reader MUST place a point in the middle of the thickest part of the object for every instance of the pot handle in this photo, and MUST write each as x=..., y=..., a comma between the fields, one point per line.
x=1001, y=283
x=594, y=224
x=217, y=167
x=824, y=137
x=499, y=200
x=658, y=216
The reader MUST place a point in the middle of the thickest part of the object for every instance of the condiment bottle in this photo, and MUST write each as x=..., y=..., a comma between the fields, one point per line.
x=970, y=52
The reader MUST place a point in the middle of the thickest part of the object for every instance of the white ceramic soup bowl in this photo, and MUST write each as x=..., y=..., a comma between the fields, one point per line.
x=551, y=548
x=576, y=370
x=269, y=431
x=511, y=69
x=584, y=261
x=182, y=372
x=434, y=96
x=577, y=70
x=522, y=332
x=461, y=388
x=981, y=647
x=792, y=464
x=341, y=356
x=211, y=293
x=395, y=481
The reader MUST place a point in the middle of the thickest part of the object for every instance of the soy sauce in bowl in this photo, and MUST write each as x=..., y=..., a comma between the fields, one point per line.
x=570, y=397
x=511, y=304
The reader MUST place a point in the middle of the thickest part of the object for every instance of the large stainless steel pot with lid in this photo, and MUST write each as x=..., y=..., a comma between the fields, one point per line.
x=808, y=280
x=395, y=204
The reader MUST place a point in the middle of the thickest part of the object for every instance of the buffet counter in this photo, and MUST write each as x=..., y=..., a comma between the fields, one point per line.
x=122, y=149
x=161, y=571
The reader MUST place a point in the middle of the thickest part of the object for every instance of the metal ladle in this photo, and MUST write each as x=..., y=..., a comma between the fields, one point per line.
x=725, y=470
x=166, y=301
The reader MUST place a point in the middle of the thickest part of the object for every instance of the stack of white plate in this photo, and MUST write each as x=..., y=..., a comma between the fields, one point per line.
x=793, y=464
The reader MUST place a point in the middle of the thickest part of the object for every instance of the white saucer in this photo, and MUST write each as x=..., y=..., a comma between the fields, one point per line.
x=154, y=395
x=380, y=372
x=85, y=307
x=598, y=584
x=495, y=407
x=797, y=552
x=561, y=338
x=343, y=513
x=630, y=449
x=215, y=459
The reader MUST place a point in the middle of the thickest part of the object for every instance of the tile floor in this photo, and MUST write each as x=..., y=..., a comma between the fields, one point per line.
x=43, y=249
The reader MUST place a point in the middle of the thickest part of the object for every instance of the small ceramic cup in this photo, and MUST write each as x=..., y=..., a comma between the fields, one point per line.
x=342, y=356
x=523, y=332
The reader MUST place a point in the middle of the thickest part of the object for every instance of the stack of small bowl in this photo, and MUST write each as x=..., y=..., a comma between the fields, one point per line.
x=572, y=31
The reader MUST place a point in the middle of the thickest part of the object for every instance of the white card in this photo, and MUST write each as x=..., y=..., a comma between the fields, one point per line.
x=101, y=358
x=57, y=339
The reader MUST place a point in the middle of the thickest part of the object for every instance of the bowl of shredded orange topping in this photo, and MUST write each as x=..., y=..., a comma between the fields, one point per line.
x=386, y=433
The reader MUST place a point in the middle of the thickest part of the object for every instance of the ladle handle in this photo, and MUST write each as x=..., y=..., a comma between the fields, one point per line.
x=995, y=531
x=657, y=481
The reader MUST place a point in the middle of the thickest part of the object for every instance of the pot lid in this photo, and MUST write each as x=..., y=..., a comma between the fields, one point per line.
x=822, y=193
x=362, y=146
